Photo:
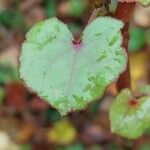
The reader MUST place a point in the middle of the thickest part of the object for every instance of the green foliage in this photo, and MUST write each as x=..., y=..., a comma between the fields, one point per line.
x=144, y=147
x=129, y=119
x=62, y=133
x=12, y=19
x=71, y=76
x=7, y=73
x=25, y=147
x=50, y=8
x=144, y=2
x=75, y=146
x=147, y=37
x=136, y=39
x=76, y=7
x=2, y=94
x=52, y=115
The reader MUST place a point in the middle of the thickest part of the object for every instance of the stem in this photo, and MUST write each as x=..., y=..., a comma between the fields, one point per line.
x=94, y=15
x=124, y=12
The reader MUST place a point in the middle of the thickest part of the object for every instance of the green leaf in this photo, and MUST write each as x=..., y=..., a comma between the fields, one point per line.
x=2, y=94
x=50, y=8
x=129, y=118
x=147, y=37
x=75, y=146
x=136, y=39
x=12, y=19
x=7, y=73
x=67, y=75
x=145, y=89
x=76, y=8
x=62, y=133
x=145, y=146
x=144, y=2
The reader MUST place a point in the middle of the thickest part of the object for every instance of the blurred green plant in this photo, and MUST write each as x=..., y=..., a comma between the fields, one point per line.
x=53, y=115
x=12, y=19
x=2, y=94
x=145, y=146
x=76, y=7
x=75, y=146
x=50, y=8
x=147, y=37
x=136, y=39
x=7, y=73
x=25, y=147
x=62, y=133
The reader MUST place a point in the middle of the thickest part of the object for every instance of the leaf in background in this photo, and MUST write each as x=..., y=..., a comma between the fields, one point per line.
x=75, y=146
x=145, y=146
x=7, y=73
x=144, y=2
x=145, y=89
x=66, y=74
x=136, y=39
x=50, y=8
x=25, y=147
x=129, y=117
x=12, y=19
x=76, y=8
x=147, y=37
x=2, y=94
x=52, y=115
x=62, y=133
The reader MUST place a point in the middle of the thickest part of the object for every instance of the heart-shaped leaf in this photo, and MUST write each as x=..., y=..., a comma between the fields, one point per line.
x=129, y=117
x=67, y=74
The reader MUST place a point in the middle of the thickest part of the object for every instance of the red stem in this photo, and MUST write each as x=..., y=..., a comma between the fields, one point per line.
x=124, y=12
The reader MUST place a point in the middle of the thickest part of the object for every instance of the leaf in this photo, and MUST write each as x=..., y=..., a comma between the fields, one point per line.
x=2, y=95
x=62, y=133
x=12, y=19
x=144, y=2
x=129, y=118
x=76, y=8
x=145, y=89
x=66, y=74
x=136, y=39
x=7, y=73
x=74, y=146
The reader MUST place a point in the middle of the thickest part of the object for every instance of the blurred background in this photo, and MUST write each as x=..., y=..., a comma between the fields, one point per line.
x=29, y=123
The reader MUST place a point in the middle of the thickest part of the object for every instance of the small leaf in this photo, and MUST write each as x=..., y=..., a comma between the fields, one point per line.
x=76, y=8
x=2, y=94
x=7, y=73
x=129, y=117
x=62, y=133
x=67, y=74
